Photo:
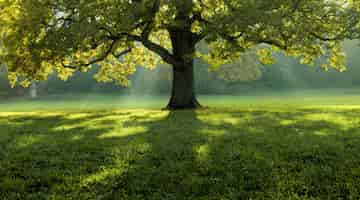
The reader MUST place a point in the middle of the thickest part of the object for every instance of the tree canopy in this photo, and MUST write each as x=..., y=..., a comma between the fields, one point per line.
x=39, y=37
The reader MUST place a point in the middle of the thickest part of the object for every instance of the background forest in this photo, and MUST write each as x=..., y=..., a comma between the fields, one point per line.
x=247, y=76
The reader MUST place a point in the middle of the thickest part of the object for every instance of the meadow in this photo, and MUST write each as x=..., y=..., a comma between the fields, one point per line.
x=266, y=146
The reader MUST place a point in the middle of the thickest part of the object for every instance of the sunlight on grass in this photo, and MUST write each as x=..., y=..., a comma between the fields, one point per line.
x=124, y=132
x=322, y=132
x=213, y=132
x=327, y=117
x=102, y=175
x=219, y=118
x=287, y=122
x=77, y=137
x=245, y=152
x=203, y=152
x=74, y=116
x=28, y=140
x=343, y=120
x=29, y=114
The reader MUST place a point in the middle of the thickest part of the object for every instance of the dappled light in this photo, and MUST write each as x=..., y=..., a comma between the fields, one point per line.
x=155, y=154
x=179, y=99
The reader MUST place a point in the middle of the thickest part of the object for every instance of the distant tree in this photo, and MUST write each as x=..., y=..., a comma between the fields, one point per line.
x=5, y=90
x=43, y=36
x=33, y=90
x=3, y=83
x=247, y=68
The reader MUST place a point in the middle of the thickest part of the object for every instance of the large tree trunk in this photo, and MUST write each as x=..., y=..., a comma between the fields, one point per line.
x=183, y=86
x=183, y=89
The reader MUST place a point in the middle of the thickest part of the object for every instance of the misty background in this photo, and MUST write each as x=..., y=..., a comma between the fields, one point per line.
x=246, y=77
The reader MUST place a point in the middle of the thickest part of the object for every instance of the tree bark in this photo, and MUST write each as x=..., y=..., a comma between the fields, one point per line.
x=183, y=86
x=183, y=89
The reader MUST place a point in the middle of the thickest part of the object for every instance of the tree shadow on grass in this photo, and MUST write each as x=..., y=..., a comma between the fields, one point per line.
x=210, y=154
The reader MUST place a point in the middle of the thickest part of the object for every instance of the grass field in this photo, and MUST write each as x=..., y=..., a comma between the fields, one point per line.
x=255, y=147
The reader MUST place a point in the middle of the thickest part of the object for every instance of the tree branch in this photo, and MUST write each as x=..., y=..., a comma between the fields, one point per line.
x=273, y=43
x=197, y=17
x=148, y=26
x=161, y=51
x=324, y=38
x=100, y=58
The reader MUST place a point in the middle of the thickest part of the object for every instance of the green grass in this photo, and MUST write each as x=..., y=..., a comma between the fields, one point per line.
x=91, y=102
x=240, y=148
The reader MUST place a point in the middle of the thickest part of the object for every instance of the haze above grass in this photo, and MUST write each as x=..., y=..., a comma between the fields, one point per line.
x=96, y=101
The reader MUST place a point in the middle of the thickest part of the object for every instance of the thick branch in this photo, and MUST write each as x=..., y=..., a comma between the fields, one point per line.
x=148, y=27
x=100, y=58
x=161, y=51
x=273, y=43
x=326, y=39
x=197, y=17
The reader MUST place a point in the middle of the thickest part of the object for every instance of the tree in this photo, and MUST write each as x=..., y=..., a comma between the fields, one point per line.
x=247, y=68
x=33, y=90
x=39, y=37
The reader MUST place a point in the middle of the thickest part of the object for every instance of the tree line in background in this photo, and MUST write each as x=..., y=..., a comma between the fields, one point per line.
x=245, y=76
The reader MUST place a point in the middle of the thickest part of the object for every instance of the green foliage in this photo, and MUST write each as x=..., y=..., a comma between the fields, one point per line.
x=253, y=152
x=39, y=37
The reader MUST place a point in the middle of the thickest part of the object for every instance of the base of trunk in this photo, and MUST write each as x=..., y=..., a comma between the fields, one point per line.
x=193, y=104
